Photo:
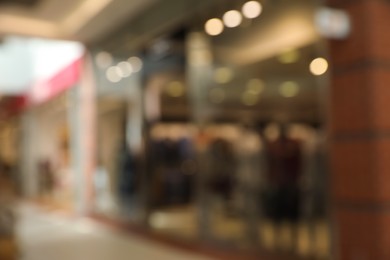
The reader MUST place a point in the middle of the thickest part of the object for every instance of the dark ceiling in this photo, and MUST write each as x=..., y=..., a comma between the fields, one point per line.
x=19, y=2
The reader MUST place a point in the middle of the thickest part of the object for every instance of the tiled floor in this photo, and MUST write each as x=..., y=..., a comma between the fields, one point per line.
x=44, y=236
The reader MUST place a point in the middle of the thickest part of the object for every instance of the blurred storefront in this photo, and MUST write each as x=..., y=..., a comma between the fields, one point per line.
x=232, y=106
x=10, y=137
x=119, y=135
x=213, y=121
x=47, y=127
x=51, y=157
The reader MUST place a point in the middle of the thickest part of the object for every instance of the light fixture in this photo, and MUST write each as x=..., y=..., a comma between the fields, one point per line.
x=249, y=98
x=289, y=56
x=125, y=68
x=252, y=9
x=103, y=59
x=214, y=27
x=136, y=63
x=232, y=18
x=175, y=89
x=223, y=75
x=289, y=89
x=319, y=66
x=114, y=74
x=255, y=86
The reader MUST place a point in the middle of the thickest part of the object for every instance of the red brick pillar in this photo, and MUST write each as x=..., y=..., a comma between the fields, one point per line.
x=360, y=132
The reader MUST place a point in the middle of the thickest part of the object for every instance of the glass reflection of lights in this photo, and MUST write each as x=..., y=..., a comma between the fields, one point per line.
x=223, y=75
x=289, y=89
x=136, y=63
x=252, y=9
x=214, y=27
x=319, y=66
x=103, y=59
x=217, y=95
x=232, y=18
x=114, y=74
x=175, y=89
x=249, y=98
x=255, y=86
x=125, y=68
x=289, y=56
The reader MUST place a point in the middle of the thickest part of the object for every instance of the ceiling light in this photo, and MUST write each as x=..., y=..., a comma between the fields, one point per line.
x=214, y=27
x=252, y=9
x=136, y=63
x=114, y=74
x=255, y=86
x=223, y=75
x=289, y=89
x=232, y=18
x=103, y=59
x=319, y=66
x=175, y=89
x=289, y=56
x=249, y=98
x=125, y=68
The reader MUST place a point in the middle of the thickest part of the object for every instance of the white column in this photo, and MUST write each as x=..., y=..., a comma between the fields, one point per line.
x=28, y=154
x=83, y=138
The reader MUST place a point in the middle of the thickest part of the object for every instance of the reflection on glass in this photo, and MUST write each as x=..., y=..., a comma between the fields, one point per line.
x=249, y=98
x=289, y=56
x=223, y=75
x=289, y=89
x=255, y=86
x=175, y=89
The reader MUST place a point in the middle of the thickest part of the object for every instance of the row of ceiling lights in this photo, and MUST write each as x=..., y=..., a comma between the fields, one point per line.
x=222, y=75
x=233, y=18
x=123, y=69
x=250, y=96
x=254, y=88
x=251, y=10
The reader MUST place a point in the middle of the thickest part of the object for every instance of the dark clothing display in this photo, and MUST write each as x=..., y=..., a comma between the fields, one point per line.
x=282, y=196
x=223, y=168
x=284, y=162
x=127, y=171
x=282, y=203
x=46, y=177
x=171, y=183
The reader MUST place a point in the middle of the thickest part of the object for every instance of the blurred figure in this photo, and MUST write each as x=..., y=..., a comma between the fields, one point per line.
x=46, y=178
x=128, y=179
x=104, y=199
x=8, y=247
x=282, y=194
x=223, y=165
x=250, y=167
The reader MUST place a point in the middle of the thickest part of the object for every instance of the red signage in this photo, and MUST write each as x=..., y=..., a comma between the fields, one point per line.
x=47, y=89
